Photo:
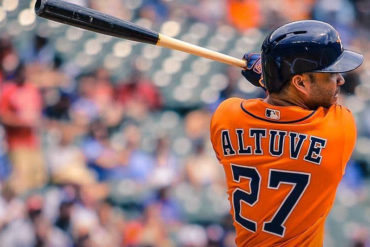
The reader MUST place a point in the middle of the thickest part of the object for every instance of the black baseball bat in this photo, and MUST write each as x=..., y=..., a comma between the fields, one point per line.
x=89, y=19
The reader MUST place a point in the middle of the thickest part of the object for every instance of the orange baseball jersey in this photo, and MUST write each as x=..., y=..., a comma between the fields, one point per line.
x=283, y=165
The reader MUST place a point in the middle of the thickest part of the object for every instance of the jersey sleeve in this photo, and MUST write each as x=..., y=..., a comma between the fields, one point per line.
x=350, y=135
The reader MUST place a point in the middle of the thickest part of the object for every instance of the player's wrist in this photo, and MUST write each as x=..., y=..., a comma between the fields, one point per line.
x=253, y=71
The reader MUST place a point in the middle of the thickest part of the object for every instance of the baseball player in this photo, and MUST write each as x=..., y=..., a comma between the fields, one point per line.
x=285, y=155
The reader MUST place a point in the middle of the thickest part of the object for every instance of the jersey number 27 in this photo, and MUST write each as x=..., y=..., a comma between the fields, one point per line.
x=275, y=226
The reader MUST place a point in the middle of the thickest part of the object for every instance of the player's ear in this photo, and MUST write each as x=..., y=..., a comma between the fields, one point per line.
x=300, y=84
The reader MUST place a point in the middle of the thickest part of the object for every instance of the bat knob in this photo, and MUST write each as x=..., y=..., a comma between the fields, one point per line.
x=40, y=6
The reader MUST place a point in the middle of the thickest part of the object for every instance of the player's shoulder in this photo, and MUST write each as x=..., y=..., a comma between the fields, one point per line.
x=230, y=104
x=340, y=116
x=226, y=111
x=339, y=111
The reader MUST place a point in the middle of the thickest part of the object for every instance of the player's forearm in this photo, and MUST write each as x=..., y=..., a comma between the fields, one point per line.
x=9, y=119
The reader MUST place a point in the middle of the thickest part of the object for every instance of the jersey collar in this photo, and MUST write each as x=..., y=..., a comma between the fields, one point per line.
x=261, y=110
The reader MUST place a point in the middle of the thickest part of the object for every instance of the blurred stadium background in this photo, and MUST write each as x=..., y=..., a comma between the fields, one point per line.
x=109, y=144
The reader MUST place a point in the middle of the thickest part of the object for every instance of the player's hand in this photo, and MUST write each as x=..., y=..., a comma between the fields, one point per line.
x=253, y=72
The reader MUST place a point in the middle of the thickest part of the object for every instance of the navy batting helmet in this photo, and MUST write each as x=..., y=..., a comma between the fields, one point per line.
x=301, y=47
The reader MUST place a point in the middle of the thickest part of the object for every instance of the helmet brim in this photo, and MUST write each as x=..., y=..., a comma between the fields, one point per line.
x=346, y=62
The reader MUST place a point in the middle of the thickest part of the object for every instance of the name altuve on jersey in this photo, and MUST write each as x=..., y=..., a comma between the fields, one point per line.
x=277, y=140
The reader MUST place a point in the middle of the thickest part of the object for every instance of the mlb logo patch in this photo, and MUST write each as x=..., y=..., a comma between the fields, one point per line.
x=272, y=114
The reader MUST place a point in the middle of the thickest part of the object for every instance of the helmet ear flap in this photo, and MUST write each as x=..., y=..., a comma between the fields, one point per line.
x=271, y=71
x=271, y=64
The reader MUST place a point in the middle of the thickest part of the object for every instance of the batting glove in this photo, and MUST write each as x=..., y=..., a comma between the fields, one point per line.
x=253, y=72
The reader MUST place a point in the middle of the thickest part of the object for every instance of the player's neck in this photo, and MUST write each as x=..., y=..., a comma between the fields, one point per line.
x=285, y=99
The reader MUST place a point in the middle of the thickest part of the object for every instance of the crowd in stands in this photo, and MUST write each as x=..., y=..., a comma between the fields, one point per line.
x=87, y=160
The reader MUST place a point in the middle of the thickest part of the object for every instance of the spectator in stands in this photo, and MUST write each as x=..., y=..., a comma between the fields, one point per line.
x=116, y=8
x=103, y=159
x=166, y=165
x=110, y=111
x=84, y=110
x=154, y=232
x=154, y=10
x=63, y=221
x=8, y=58
x=5, y=167
x=202, y=169
x=244, y=14
x=66, y=161
x=210, y=12
x=84, y=217
x=39, y=51
x=140, y=164
x=20, y=113
x=111, y=226
x=45, y=234
x=362, y=12
x=138, y=96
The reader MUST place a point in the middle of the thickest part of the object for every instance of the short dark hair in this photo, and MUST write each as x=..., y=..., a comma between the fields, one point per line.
x=312, y=77
x=282, y=89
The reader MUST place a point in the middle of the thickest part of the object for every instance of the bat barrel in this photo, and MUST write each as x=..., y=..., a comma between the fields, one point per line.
x=93, y=20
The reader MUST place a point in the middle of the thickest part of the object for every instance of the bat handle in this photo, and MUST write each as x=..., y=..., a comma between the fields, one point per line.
x=168, y=42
